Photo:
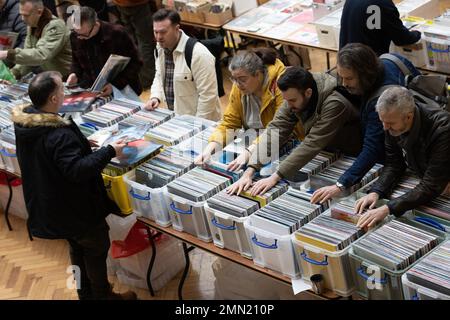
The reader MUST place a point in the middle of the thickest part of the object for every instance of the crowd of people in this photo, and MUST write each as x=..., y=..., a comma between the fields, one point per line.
x=363, y=110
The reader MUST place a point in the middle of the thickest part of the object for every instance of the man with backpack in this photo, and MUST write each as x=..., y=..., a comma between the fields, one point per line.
x=366, y=75
x=185, y=78
x=417, y=137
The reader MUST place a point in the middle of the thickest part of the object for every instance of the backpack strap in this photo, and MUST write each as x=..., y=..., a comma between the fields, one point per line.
x=399, y=63
x=377, y=93
x=188, y=50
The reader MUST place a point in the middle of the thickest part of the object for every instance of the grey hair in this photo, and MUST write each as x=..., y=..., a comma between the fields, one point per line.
x=396, y=99
x=248, y=61
x=36, y=3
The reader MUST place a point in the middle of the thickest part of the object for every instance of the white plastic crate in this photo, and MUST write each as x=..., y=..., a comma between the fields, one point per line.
x=189, y=216
x=427, y=9
x=376, y=282
x=416, y=53
x=333, y=266
x=414, y=291
x=437, y=42
x=228, y=231
x=272, y=251
x=326, y=28
x=151, y=203
x=321, y=10
x=9, y=156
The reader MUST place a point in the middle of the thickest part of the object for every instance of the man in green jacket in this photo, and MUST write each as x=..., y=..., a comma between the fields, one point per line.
x=47, y=44
x=329, y=119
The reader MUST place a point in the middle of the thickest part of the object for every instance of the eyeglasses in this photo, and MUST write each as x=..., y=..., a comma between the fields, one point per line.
x=241, y=80
x=83, y=36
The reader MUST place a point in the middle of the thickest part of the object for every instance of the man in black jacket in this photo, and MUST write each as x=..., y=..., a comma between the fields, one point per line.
x=62, y=184
x=376, y=28
x=416, y=137
x=93, y=41
x=10, y=20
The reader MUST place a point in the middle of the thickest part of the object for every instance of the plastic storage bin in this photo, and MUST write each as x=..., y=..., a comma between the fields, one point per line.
x=413, y=291
x=9, y=157
x=416, y=53
x=326, y=28
x=437, y=40
x=429, y=220
x=376, y=282
x=228, y=231
x=151, y=203
x=189, y=216
x=117, y=191
x=333, y=266
x=272, y=251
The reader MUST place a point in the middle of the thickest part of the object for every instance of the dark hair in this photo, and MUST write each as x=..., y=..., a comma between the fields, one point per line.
x=253, y=60
x=87, y=15
x=267, y=55
x=163, y=14
x=42, y=87
x=297, y=78
x=365, y=62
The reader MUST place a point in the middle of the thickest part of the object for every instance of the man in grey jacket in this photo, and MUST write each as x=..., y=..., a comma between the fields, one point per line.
x=416, y=137
x=11, y=21
x=328, y=118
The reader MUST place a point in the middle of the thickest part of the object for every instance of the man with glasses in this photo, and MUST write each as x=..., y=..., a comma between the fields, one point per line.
x=186, y=90
x=93, y=41
x=47, y=44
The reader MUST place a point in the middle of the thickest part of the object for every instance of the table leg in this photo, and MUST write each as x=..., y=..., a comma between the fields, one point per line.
x=152, y=262
x=328, y=61
x=8, y=204
x=186, y=251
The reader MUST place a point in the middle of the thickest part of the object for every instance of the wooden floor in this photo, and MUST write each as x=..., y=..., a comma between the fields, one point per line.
x=36, y=270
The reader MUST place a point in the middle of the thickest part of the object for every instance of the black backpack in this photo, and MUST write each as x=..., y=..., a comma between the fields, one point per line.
x=430, y=90
x=216, y=46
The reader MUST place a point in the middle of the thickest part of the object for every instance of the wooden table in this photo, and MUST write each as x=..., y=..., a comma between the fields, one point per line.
x=209, y=247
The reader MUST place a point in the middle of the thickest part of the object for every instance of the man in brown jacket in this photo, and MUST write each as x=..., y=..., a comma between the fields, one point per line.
x=329, y=120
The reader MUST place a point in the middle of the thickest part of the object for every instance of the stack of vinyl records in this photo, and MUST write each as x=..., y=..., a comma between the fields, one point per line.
x=329, y=233
x=345, y=210
x=134, y=153
x=433, y=271
x=162, y=169
x=111, y=113
x=270, y=195
x=316, y=165
x=154, y=118
x=331, y=174
x=177, y=130
x=439, y=206
x=290, y=211
x=8, y=135
x=395, y=245
x=198, y=185
x=14, y=91
x=244, y=140
x=219, y=163
x=194, y=146
x=5, y=114
x=232, y=204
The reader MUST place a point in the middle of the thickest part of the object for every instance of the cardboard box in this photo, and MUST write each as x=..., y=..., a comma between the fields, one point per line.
x=218, y=19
